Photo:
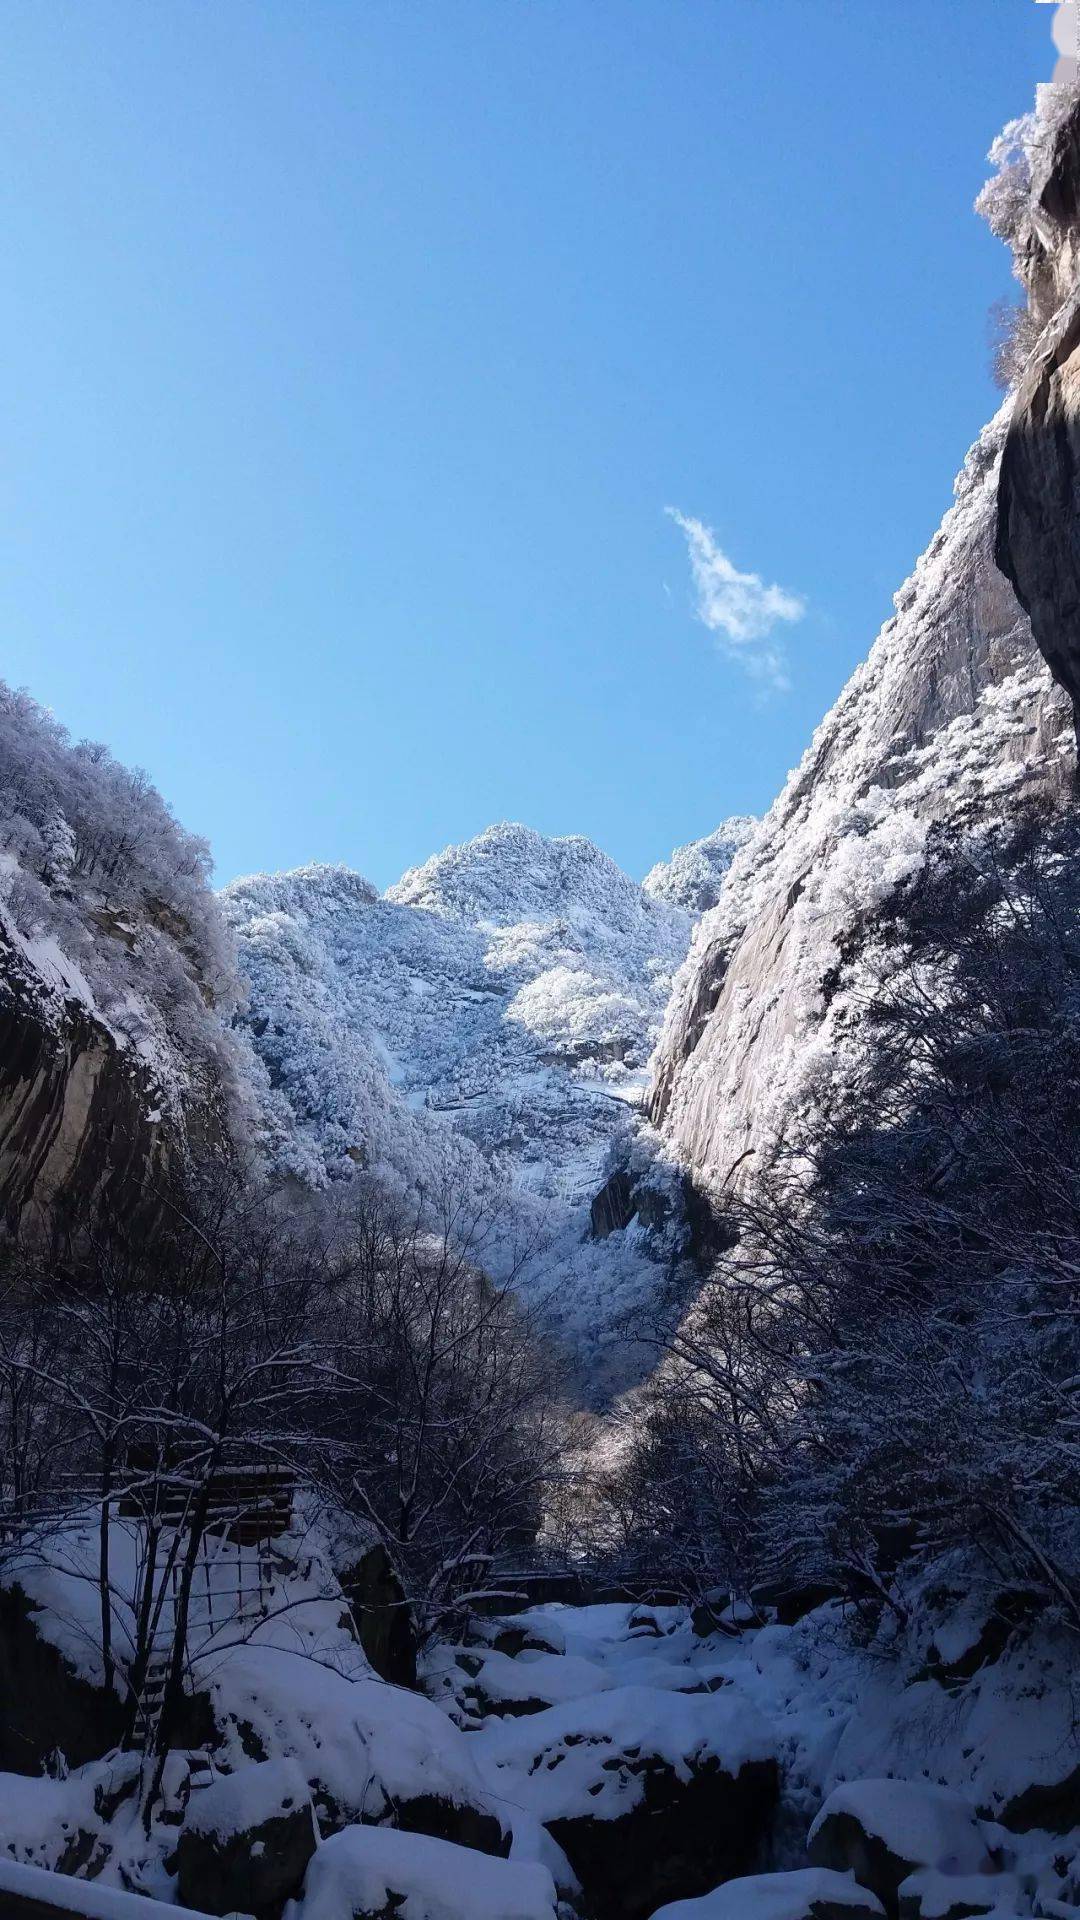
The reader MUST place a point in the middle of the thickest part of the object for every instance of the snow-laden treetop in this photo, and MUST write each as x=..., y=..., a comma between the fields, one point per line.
x=694, y=876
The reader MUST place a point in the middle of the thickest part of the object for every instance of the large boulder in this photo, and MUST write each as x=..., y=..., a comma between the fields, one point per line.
x=46, y=1706
x=884, y=1830
x=247, y=1841
x=652, y=1796
x=367, y=1873
x=1053, y=1805
x=811, y=1893
x=369, y=1752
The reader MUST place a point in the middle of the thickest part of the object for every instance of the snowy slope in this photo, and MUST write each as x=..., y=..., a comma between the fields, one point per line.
x=492, y=1014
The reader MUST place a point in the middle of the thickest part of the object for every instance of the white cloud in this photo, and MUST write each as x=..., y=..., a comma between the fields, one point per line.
x=738, y=607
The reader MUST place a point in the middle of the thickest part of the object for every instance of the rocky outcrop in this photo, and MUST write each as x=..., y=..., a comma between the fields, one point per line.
x=953, y=716
x=1038, y=525
x=118, y=981
x=694, y=876
x=1038, y=536
x=97, y=1110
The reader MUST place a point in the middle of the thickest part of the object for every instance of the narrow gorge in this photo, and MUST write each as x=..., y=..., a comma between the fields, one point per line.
x=534, y=1395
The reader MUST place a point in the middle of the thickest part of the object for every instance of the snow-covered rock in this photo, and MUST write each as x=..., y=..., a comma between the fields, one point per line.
x=884, y=1830
x=952, y=717
x=649, y=1794
x=117, y=978
x=472, y=1684
x=364, y=1873
x=369, y=1751
x=932, y=1895
x=1037, y=545
x=808, y=1893
x=31, y=1890
x=247, y=1840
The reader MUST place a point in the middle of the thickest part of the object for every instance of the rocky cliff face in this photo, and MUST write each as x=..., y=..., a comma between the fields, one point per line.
x=1038, y=527
x=73, y=1121
x=86, y=1121
x=954, y=716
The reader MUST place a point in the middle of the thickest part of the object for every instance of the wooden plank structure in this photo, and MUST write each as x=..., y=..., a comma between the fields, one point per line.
x=249, y=1504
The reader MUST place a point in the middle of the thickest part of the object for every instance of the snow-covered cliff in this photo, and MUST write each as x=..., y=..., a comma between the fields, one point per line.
x=117, y=978
x=953, y=717
x=694, y=876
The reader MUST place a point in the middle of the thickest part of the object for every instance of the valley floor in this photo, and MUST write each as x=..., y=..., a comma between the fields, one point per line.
x=603, y=1761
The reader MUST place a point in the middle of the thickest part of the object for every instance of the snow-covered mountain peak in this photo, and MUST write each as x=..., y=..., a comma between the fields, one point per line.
x=319, y=886
x=484, y=988
x=511, y=873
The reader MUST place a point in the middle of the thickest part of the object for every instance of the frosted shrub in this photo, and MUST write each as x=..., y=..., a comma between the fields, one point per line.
x=1003, y=201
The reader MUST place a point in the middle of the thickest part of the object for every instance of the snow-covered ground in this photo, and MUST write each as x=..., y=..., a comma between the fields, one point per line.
x=931, y=1752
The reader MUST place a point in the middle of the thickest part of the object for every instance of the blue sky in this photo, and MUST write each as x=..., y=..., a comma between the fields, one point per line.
x=352, y=351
